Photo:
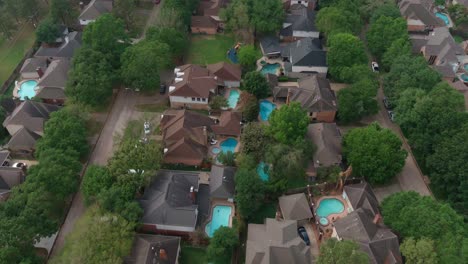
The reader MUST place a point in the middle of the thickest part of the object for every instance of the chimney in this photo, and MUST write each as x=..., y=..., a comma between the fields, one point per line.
x=163, y=254
x=377, y=219
x=193, y=195
x=40, y=72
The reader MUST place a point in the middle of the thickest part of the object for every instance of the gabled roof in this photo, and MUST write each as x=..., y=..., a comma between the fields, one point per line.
x=167, y=200
x=270, y=45
x=9, y=178
x=222, y=182
x=66, y=50
x=95, y=9
x=211, y=7
x=4, y=155
x=362, y=196
x=31, y=64
x=226, y=71
x=30, y=114
x=276, y=242
x=306, y=52
x=295, y=207
x=150, y=249
x=194, y=81
x=229, y=124
x=300, y=18
x=420, y=10
x=56, y=74
x=327, y=139
x=203, y=22
x=23, y=139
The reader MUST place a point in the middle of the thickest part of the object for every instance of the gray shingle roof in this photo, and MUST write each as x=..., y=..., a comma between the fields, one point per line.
x=4, y=155
x=95, y=9
x=420, y=10
x=31, y=64
x=361, y=195
x=66, y=50
x=167, y=201
x=306, y=52
x=299, y=19
x=295, y=207
x=270, y=45
x=23, y=140
x=56, y=74
x=222, y=182
x=9, y=178
x=150, y=249
x=30, y=114
x=327, y=138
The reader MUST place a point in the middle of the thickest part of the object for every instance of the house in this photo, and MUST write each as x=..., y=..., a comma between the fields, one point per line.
x=94, y=10
x=305, y=55
x=193, y=86
x=363, y=225
x=229, y=124
x=440, y=50
x=33, y=68
x=52, y=82
x=327, y=139
x=295, y=207
x=299, y=23
x=148, y=249
x=270, y=47
x=207, y=20
x=71, y=43
x=204, y=25
x=22, y=144
x=276, y=242
x=9, y=178
x=310, y=4
x=315, y=96
x=419, y=15
x=228, y=72
x=222, y=184
x=171, y=203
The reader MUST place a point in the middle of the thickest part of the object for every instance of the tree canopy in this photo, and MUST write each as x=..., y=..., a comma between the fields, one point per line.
x=250, y=192
x=420, y=251
x=344, y=50
x=224, y=240
x=47, y=31
x=255, y=83
x=334, y=20
x=248, y=57
x=125, y=10
x=383, y=31
x=63, y=12
x=218, y=102
x=266, y=16
x=250, y=109
x=388, y=10
x=375, y=153
x=399, y=47
x=254, y=140
x=346, y=251
x=177, y=40
x=96, y=180
x=357, y=101
x=288, y=124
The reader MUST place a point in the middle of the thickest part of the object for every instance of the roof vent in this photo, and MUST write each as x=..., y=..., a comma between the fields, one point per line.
x=179, y=74
x=171, y=88
x=176, y=80
x=176, y=70
x=166, y=150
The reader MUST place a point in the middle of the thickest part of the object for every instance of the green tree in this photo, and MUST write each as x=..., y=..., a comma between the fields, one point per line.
x=236, y=15
x=227, y=158
x=334, y=20
x=288, y=124
x=142, y=62
x=13, y=8
x=250, y=192
x=344, y=50
x=334, y=251
x=356, y=73
x=399, y=47
x=125, y=10
x=288, y=161
x=218, y=102
x=266, y=16
x=7, y=24
x=383, y=31
x=255, y=83
x=29, y=10
x=420, y=251
x=357, y=101
x=374, y=152
x=254, y=140
x=389, y=10
x=251, y=109
x=63, y=11
x=224, y=240
x=248, y=57
x=96, y=179
x=177, y=40
x=330, y=174
x=47, y=31
x=405, y=105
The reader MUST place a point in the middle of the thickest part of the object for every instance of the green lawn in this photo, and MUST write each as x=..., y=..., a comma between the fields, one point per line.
x=191, y=255
x=297, y=182
x=268, y=210
x=458, y=39
x=11, y=52
x=209, y=49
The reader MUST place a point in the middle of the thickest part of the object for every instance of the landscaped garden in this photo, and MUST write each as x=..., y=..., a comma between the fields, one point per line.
x=209, y=49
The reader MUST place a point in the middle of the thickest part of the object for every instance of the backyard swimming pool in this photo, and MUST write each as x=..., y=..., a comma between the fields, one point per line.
x=228, y=145
x=27, y=89
x=233, y=98
x=329, y=206
x=464, y=77
x=219, y=217
x=465, y=67
x=232, y=55
x=215, y=150
x=270, y=68
x=262, y=170
x=266, y=107
x=444, y=17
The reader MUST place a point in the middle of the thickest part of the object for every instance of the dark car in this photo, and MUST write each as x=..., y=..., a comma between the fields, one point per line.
x=303, y=234
x=391, y=115
x=162, y=89
x=386, y=103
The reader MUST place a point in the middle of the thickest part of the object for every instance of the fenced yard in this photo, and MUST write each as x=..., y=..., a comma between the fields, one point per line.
x=206, y=49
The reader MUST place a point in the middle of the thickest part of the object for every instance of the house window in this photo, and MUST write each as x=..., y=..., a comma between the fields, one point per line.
x=198, y=99
x=203, y=99
x=193, y=99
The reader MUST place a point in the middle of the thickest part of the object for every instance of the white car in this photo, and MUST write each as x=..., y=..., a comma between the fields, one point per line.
x=147, y=127
x=19, y=165
x=375, y=66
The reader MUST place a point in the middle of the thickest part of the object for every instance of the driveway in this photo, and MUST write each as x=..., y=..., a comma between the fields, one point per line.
x=314, y=247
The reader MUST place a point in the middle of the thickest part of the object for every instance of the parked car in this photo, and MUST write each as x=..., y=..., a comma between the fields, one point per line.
x=146, y=125
x=162, y=89
x=303, y=234
x=375, y=66
x=19, y=165
x=386, y=103
x=391, y=115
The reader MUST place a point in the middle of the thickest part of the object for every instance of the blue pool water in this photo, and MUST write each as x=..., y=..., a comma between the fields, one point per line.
x=323, y=221
x=270, y=68
x=329, y=206
x=220, y=217
x=465, y=67
x=233, y=98
x=228, y=145
x=232, y=55
x=444, y=17
x=216, y=150
x=266, y=107
x=262, y=170
x=27, y=89
x=464, y=77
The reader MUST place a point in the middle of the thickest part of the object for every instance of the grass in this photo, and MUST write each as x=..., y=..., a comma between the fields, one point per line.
x=268, y=210
x=12, y=51
x=154, y=108
x=209, y=49
x=191, y=255
x=297, y=182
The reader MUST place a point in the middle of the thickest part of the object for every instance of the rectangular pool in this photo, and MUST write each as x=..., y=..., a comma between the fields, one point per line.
x=219, y=217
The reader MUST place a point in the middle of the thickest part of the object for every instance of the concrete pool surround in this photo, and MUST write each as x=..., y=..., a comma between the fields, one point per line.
x=221, y=214
x=25, y=89
x=327, y=216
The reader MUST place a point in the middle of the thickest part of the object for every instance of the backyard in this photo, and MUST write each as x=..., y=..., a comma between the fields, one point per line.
x=209, y=49
x=191, y=254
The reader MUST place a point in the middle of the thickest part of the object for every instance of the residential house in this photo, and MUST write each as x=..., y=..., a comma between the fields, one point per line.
x=276, y=242
x=295, y=207
x=460, y=2
x=171, y=203
x=51, y=85
x=327, y=139
x=299, y=23
x=207, y=20
x=149, y=249
x=33, y=68
x=94, y=10
x=9, y=176
x=270, y=46
x=71, y=43
x=22, y=144
x=315, y=96
x=440, y=50
x=228, y=72
x=305, y=56
x=222, y=184
x=311, y=4
x=419, y=15
x=229, y=124
x=363, y=225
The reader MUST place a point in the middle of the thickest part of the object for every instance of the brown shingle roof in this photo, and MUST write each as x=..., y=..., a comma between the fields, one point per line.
x=226, y=71
x=229, y=124
x=196, y=82
x=203, y=22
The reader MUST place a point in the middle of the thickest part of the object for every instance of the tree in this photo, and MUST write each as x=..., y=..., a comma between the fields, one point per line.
x=218, y=102
x=420, y=251
x=250, y=192
x=98, y=237
x=7, y=25
x=254, y=140
x=224, y=240
x=248, y=57
x=389, y=10
x=374, y=152
x=96, y=179
x=171, y=18
x=344, y=50
x=409, y=98
x=125, y=10
x=13, y=8
x=330, y=174
x=288, y=161
x=227, y=158
x=91, y=78
x=288, y=124
x=334, y=20
x=357, y=101
x=176, y=39
x=29, y=10
x=63, y=11
x=383, y=31
x=250, y=109
x=236, y=15
x=266, y=16
x=399, y=47
x=47, y=31
x=356, y=73
x=255, y=83
x=142, y=62
x=346, y=251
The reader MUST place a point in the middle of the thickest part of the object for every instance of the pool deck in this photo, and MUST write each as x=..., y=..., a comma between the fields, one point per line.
x=218, y=145
x=332, y=217
x=18, y=85
x=270, y=61
x=216, y=202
